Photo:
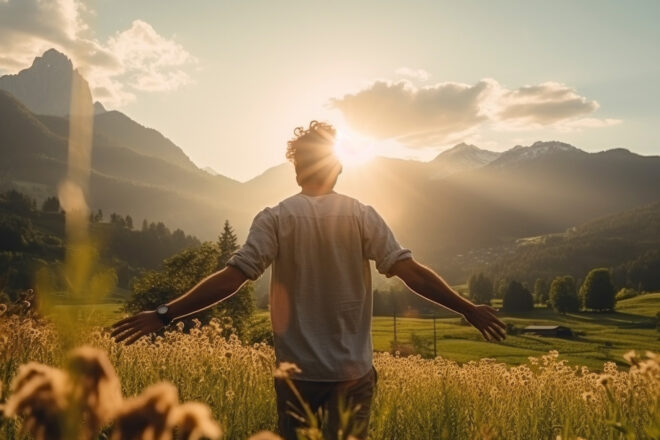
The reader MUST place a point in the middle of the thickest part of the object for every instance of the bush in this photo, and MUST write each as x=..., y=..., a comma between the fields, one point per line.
x=626, y=292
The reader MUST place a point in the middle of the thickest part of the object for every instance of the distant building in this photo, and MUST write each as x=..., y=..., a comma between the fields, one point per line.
x=549, y=330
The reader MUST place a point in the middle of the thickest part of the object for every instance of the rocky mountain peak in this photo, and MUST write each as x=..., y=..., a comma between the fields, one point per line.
x=53, y=59
x=537, y=150
x=45, y=87
x=461, y=157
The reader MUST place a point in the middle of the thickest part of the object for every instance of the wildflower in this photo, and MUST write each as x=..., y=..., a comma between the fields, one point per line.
x=285, y=369
x=195, y=421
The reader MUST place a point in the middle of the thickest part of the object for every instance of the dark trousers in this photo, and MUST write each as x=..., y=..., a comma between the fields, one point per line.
x=325, y=400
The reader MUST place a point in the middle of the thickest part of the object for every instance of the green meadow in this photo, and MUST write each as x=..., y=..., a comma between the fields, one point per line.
x=598, y=337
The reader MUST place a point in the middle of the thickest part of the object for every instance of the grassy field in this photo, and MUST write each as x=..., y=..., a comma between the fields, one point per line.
x=415, y=399
x=600, y=337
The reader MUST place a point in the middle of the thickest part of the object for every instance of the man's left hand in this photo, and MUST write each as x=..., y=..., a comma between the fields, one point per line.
x=483, y=318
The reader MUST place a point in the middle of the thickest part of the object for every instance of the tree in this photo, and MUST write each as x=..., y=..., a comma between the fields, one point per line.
x=17, y=202
x=597, y=291
x=541, y=292
x=480, y=288
x=227, y=243
x=517, y=298
x=563, y=296
x=502, y=285
x=182, y=272
x=51, y=204
x=129, y=222
x=240, y=307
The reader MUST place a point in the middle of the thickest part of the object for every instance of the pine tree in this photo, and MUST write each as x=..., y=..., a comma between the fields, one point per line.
x=227, y=243
x=51, y=204
x=240, y=307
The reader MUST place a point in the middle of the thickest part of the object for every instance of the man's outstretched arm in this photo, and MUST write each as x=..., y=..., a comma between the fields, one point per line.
x=428, y=284
x=211, y=290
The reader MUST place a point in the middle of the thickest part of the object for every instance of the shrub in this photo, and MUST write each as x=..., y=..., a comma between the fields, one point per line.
x=626, y=292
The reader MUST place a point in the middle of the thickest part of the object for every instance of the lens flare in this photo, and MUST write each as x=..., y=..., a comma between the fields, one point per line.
x=353, y=151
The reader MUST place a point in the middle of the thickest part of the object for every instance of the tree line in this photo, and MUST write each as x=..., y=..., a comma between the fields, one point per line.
x=596, y=292
x=33, y=237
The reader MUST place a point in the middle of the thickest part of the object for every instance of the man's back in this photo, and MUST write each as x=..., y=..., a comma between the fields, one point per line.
x=320, y=293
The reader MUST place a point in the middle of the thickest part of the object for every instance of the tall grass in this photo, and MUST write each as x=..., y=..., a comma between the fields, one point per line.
x=415, y=399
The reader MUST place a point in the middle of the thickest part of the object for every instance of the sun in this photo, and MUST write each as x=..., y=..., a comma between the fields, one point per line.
x=353, y=151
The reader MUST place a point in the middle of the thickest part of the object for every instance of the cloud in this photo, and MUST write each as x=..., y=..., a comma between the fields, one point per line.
x=414, y=116
x=418, y=74
x=151, y=62
x=543, y=104
x=132, y=60
x=442, y=113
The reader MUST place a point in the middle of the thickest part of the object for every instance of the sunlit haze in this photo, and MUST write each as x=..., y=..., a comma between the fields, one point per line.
x=353, y=150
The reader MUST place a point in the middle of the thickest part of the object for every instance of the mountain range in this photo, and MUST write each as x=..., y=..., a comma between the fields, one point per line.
x=466, y=198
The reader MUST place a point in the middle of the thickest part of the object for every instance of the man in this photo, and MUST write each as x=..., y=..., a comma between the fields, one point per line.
x=319, y=244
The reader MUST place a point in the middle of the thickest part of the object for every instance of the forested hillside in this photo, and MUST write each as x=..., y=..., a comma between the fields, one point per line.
x=628, y=243
x=33, y=237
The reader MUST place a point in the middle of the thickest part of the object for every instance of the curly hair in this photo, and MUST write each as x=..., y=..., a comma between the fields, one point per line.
x=312, y=152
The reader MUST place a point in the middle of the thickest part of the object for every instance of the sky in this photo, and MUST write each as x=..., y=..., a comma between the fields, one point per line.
x=228, y=81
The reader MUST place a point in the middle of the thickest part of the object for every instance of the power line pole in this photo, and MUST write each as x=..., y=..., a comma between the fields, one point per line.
x=435, y=350
x=396, y=344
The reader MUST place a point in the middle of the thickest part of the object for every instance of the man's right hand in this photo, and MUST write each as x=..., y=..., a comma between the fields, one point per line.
x=483, y=318
x=134, y=327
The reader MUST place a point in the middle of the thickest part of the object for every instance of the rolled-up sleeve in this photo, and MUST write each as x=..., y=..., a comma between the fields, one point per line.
x=260, y=248
x=378, y=242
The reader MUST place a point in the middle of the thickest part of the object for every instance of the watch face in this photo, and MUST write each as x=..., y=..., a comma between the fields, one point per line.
x=161, y=310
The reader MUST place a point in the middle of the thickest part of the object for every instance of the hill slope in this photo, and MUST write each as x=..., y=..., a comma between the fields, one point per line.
x=627, y=242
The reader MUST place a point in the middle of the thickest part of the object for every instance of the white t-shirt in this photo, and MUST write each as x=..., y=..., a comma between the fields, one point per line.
x=321, y=301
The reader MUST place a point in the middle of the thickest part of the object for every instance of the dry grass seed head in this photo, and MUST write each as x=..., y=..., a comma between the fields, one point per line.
x=95, y=387
x=39, y=395
x=285, y=369
x=147, y=416
x=265, y=435
x=194, y=421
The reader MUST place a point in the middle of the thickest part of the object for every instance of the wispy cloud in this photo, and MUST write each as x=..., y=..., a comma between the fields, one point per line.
x=418, y=74
x=442, y=113
x=134, y=59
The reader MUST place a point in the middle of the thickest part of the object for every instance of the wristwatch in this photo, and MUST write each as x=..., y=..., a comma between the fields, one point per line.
x=162, y=312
